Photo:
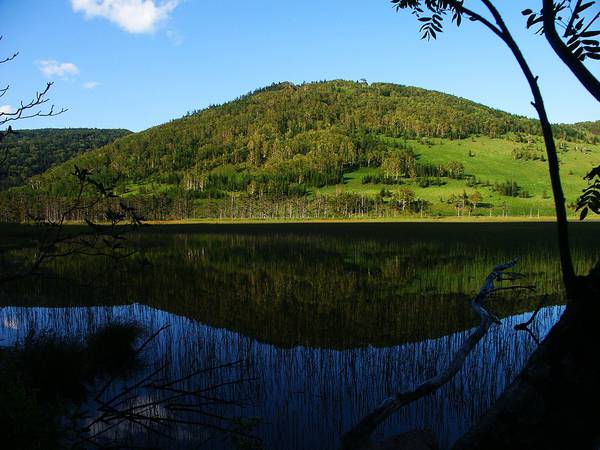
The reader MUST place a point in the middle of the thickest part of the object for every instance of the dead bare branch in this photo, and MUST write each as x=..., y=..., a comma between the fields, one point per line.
x=525, y=325
x=358, y=437
x=8, y=58
x=56, y=241
x=23, y=111
x=156, y=403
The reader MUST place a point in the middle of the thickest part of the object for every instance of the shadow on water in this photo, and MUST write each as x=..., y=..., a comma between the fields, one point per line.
x=330, y=320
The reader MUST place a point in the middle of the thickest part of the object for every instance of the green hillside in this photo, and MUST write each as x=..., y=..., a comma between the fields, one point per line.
x=331, y=149
x=489, y=162
x=592, y=127
x=31, y=152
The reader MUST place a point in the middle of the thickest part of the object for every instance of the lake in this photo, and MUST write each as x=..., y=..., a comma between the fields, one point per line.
x=319, y=321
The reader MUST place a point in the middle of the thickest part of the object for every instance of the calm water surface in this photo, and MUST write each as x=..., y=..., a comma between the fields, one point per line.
x=327, y=323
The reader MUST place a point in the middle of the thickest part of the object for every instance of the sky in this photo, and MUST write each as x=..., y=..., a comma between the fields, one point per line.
x=138, y=63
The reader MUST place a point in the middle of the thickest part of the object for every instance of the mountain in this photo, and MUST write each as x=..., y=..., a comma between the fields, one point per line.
x=31, y=152
x=379, y=147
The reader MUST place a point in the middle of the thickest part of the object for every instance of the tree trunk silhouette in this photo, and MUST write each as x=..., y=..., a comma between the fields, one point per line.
x=552, y=404
x=553, y=165
x=584, y=76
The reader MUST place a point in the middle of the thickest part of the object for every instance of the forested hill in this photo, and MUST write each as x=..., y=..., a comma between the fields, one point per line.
x=322, y=127
x=349, y=144
x=31, y=152
x=591, y=127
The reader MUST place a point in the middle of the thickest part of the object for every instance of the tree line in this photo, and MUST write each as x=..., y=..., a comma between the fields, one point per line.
x=32, y=152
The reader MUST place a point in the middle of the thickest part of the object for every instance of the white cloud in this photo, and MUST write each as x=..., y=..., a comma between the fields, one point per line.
x=52, y=68
x=90, y=84
x=133, y=16
x=6, y=109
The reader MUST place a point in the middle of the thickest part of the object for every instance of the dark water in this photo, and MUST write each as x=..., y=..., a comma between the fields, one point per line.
x=326, y=322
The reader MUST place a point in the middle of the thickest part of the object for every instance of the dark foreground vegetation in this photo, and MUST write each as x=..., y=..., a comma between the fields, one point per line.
x=45, y=375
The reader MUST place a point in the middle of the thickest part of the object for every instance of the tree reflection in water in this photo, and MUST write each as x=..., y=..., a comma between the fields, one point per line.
x=329, y=322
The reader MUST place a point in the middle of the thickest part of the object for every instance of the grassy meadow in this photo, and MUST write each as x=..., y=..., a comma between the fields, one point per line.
x=487, y=160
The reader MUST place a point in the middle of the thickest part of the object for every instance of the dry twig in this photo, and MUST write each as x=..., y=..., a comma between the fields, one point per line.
x=358, y=437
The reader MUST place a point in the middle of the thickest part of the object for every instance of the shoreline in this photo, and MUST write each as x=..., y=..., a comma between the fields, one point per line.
x=4, y=226
x=13, y=234
x=373, y=220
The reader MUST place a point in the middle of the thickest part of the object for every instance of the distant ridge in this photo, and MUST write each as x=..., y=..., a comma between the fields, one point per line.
x=31, y=152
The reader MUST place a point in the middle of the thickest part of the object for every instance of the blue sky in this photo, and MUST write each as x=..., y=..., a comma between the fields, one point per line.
x=138, y=63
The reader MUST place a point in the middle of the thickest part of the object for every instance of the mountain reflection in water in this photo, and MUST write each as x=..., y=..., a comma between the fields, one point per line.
x=329, y=319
